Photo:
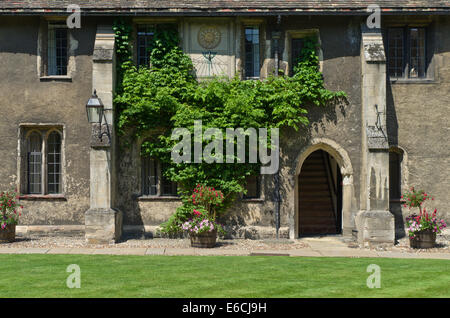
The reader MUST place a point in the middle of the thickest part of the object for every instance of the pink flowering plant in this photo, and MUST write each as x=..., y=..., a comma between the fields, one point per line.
x=10, y=208
x=423, y=221
x=200, y=223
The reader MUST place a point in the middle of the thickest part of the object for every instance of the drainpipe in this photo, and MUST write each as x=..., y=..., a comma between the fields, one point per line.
x=276, y=36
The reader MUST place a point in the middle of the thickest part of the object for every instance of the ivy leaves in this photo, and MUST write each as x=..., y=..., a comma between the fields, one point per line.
x=165, y=95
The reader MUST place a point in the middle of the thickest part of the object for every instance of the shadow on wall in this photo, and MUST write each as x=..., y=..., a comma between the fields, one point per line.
x=323, y=121
x=129, y=183
x=395, y=206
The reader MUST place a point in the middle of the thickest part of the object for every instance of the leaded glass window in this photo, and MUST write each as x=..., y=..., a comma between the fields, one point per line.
x=54, y=163
x=417, y=52
x=154, y=182
x=41, y=161
x=57, y=49
x=296, y=50
x=396, y=54
x=252, y=57
x=168, y=187
x=149, y=176
x=145, y=35
x=34, y=163
x=406, y=52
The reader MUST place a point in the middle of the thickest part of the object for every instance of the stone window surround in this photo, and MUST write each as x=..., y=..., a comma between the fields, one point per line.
x=242, y=24
x=159, y=185
x=24, y=130
x=147, y=197
x=431, y=68
x=298, y=34
x=42, y=52
x=150, y=21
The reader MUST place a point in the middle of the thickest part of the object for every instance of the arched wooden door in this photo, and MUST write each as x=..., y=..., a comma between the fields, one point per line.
x=320, y=195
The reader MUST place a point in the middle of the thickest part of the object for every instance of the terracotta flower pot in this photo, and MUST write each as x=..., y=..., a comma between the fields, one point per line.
x=424, y=239
x=8, y=234
x=204, y=240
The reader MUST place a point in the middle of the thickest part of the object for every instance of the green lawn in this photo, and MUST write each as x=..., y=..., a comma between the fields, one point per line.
x=219, y=276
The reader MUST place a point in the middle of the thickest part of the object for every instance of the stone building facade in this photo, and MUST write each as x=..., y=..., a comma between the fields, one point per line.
x=342, y=175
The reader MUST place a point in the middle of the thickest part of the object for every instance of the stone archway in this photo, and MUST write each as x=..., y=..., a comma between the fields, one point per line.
x=319, y=195
x=346, y=171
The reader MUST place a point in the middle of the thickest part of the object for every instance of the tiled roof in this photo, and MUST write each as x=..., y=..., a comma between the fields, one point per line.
x=174, y=6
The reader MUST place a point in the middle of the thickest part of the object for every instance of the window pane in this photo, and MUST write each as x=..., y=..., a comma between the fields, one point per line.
x=54, y=163
x=252, y=52
x=396, y=55
x=168, y=187
x=57, y=50
x=34, y=163
x=149, y=176
x=145, y=35
x=417, y=52
x=253, y=187
x=296, y=49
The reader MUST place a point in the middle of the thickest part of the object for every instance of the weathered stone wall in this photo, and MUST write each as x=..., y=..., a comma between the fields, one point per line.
x=25, y=98
x=416, y=115
x=418, y=124
x=340, y=39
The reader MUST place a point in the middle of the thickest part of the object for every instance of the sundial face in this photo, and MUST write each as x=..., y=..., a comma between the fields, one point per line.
x=209, y=37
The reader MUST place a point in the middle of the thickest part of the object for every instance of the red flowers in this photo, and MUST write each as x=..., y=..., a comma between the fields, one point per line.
x=9, y=213
x=208, y=199
x=415, y=199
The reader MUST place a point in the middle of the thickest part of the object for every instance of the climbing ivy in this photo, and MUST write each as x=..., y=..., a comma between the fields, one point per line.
x=166, y=95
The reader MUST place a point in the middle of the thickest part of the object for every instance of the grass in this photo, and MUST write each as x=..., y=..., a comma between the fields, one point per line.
x=220, y=276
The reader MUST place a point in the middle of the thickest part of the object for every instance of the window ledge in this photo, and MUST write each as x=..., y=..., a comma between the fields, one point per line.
x=43, y=197
x=158, y=198
x=413, y=81
x=61, y=78
x=397, y=201
x=252, y=200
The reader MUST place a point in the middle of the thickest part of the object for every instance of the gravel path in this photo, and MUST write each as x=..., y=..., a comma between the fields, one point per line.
x=442, y=246
x=79, y=242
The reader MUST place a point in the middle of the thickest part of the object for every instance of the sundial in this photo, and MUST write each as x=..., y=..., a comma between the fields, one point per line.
x=209, y=38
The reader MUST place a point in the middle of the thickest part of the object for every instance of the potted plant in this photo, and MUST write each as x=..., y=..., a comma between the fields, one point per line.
x=9, y=215
x=422, y=228
x=202, y=226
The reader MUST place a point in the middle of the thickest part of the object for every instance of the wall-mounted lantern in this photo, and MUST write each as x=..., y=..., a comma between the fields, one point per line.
x=95, y=113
